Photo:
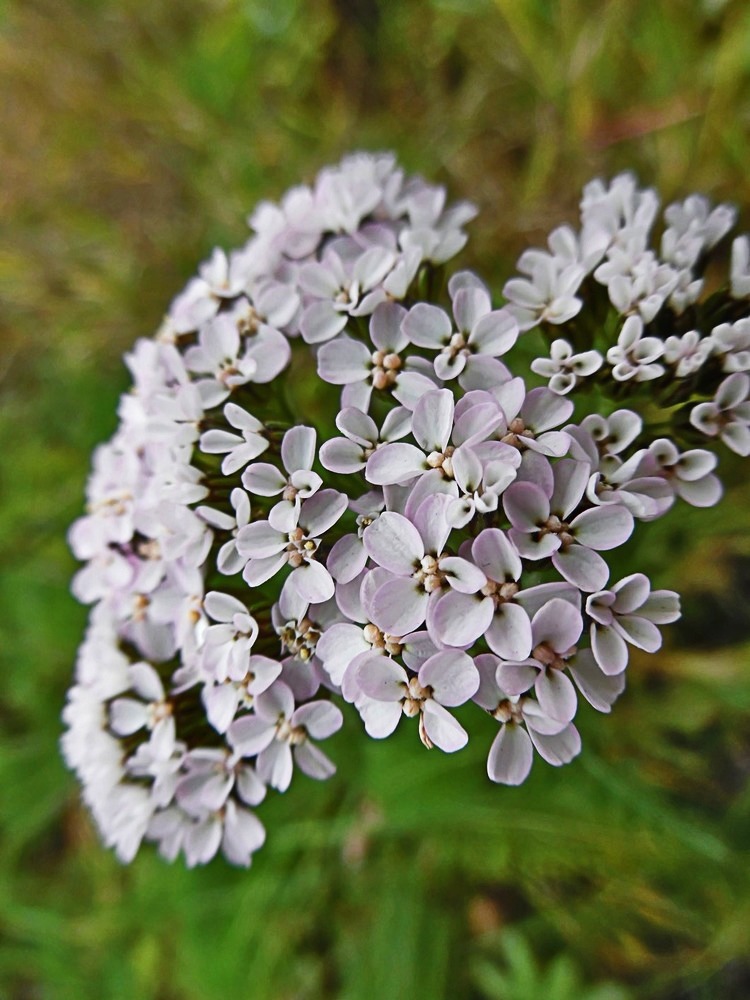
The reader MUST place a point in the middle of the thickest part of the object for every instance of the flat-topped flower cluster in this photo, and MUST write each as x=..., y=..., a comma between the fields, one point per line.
x=447, y=545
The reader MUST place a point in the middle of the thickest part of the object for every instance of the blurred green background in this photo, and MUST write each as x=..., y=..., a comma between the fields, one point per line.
x=136, y=136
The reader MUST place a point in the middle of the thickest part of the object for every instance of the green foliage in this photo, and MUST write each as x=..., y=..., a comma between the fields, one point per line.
x=518, y=977
x=134, y=137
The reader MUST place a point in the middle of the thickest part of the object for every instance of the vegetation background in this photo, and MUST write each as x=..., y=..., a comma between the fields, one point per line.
x=136, y=136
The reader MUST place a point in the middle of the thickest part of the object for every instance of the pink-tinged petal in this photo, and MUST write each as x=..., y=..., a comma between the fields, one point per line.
x=662, y=607
x=432, y=422
x=397, y=424
x=511, y=755
x=516, y=678
x=146, y=682
x=318, y=280
x=250, y=734
x=201, y=842
x=338, y=646
x=342, y=455
x=736, y=436
x=571, y=479
x=298, y=448
x=639, y=632
x=695, y=464
x=416, y=648
x=467, y=469
x=460, y=619
x=496, y=557
x=495, y=333
x=222, y=607
x=603, y=528
x=216, y=442
x=599, y=689
x=582, y=567
x=559, y=748
x=399, y=606
x=127, y=716
x=241, y=419
x=357, y=426
x=380, y=717
x=243, y=833
x=543, y=410
x=313, y=762
x=483, y=372
x=526, y=506
x=220, y=702
x=488, y=695
x=464, y=279
x=533, y=547
x=509, y=632
x=385, y=328
x=534, y=598
x=381, y=678
x=259, y=540
x=320, y=718
x=609, y=649
x=460, y=512
x=322, y=511
x=302, y=678
x=537, y=468
x=201, y=791
x=257, y=571
x=321, y=322
x=368, y=585
x=411, y=386
x=426, y=486
x=538, y=720
x=556, y=695
x=394, y=543
x=312, y=582
x=630, y=593
x=558, y=624
x=469, y=306
x=357, y=394
x=703, y=493
x=284, y=515
x=275, y=703
x=249, y=787
x=263, y=671
x=346, y=559
x=372, y=266
x=452, y=676
x=431, y=522
x=475, y=423
x=350, y=689
x=275, y=766
x=733, y=391
x=344, y=361
x=427, y=326
x=395, y=463
x=553, y=443
x=271, y=352
x=305, y=482
x=462, y=575
x=442, y=729
x=449, y=366
x=263, y=479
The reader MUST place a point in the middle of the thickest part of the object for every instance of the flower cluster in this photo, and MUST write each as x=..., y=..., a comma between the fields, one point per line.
x=448, y=546
x=659, y=328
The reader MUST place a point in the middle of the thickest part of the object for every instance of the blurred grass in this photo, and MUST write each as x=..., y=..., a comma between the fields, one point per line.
x=136, y=136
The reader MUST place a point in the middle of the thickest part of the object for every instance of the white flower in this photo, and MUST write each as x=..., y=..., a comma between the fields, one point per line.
x=564, y=369
x=634, y=356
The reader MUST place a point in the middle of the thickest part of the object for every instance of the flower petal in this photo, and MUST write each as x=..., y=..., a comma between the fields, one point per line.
x=511, y=756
